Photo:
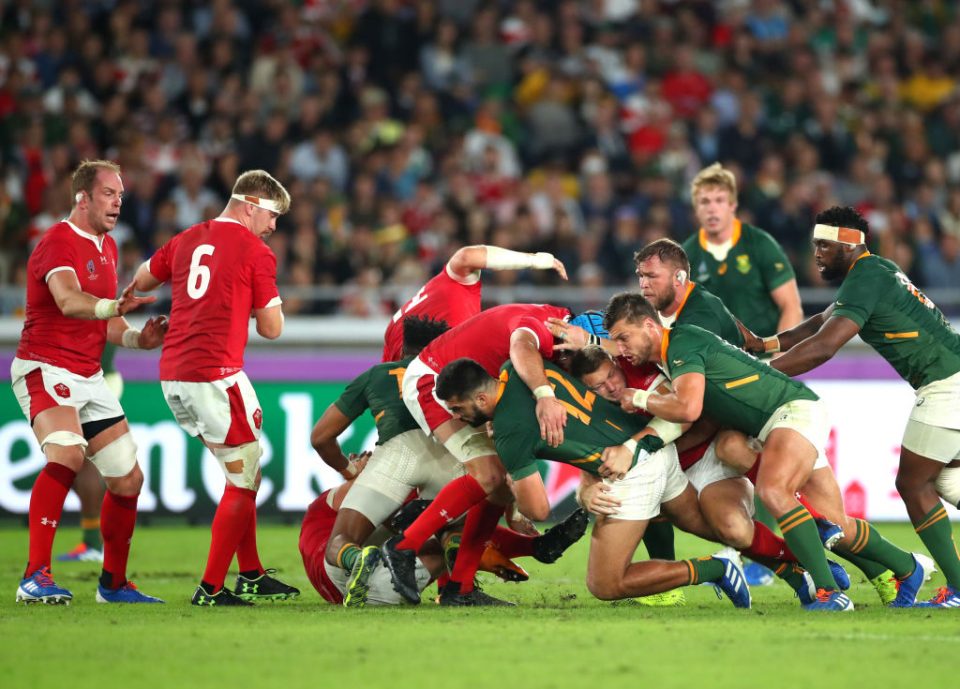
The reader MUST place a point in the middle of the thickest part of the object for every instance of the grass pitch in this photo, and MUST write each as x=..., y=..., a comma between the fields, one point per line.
x=559, y=636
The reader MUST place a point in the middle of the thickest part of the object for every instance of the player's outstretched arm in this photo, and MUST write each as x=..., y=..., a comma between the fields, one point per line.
x=574, y=338
x=470, y=259
x=531, y=497
x=324, y=436
x=819, y=347
x=73, y=302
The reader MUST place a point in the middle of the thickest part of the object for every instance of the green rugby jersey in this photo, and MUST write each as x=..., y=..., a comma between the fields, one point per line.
x=706, y=311
x=754, y=266
x=741, y=392
x=379, y=390
x=898, y=321
x=593, y=424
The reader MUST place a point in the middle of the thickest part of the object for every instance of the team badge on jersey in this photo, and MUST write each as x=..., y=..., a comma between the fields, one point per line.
x=61, y=390
x=258, y=418
x=743, y=263
x=91, y=268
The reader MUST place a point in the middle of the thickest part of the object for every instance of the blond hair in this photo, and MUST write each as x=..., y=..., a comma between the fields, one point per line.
x=714, y=176
x=84, y=178
x=262, y=184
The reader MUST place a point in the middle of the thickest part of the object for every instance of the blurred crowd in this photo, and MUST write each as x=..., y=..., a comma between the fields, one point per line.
x=404, y=129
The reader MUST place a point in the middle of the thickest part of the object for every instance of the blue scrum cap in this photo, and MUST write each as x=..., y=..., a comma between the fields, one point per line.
x=592, y=322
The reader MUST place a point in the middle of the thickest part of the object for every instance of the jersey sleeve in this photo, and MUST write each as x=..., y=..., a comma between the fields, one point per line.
x=160, y=263
x=539, y=330
x=52, y=256
x=517, y=447
x=858, y=296
x=264, y=282
x=685, y=353
x=773, y=262
x=353, y=400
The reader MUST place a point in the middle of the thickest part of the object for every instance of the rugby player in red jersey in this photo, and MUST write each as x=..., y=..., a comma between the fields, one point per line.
x=515, y=332
x=221, y=272
x=56, y=376
x=453, y=295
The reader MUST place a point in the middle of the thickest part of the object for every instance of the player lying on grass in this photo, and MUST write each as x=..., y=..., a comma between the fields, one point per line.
x=725, y=496
x=370, y=583
x=879, y=303
x=404, y=460
x=650, y=480
x=716, y=379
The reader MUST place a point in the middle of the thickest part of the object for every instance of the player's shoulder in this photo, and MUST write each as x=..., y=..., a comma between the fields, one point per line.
x=871, y=268
x=758, y=237
x=691, y=243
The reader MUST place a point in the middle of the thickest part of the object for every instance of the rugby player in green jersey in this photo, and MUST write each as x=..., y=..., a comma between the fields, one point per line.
x=879, y=303
x=713, y=378
x=739, y=263
x=650, y=477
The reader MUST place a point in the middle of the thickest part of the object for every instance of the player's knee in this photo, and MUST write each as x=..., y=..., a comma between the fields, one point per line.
x=490, y=475
x=603, y=586
x=65, y=447
x=775, y=497
x=117, y=463
x=129, y=484
x=910, y=486
x=241, y=464
x=734, y=530
x=948, y=485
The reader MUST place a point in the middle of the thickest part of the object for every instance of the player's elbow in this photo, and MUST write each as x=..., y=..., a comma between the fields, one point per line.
x=270, y=329
x=689, y=411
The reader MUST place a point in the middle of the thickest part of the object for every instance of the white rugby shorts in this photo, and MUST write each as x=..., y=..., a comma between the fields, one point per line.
x=225, y=411
x=40, y=386
x=649, y=484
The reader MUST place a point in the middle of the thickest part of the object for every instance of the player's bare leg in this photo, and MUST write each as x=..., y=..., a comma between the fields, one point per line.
x=611, y=574
x=788, y=461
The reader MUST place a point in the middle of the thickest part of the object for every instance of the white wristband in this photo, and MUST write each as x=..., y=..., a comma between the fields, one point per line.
x=106, y=308
x=640, y=398
x=542, y=391
x=350, y=471
x=131, y=338
x=507, y=259
x=631, y=445
x=771, y=344
x=666, y=430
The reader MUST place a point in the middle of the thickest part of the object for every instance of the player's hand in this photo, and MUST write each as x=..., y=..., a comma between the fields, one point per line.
x=552, y=417
x=131, y=302
x=616, y=462
x=751, y=343
x=573, y=338
x=153, y=332
x=597, y=499
x=518, y=522
x=359, y=461
x=626, y=401
x=560, y=268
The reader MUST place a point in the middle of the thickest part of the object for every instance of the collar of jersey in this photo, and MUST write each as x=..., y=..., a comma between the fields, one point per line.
x=664, y=346
x=683, y=302
x=221, y=218
x=859, y=258
x=734, y=238
x=97, y=239
x=502, y=384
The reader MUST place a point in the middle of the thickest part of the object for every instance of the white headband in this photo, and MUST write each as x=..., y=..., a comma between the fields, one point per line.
x=266, y=204
x=842, y=235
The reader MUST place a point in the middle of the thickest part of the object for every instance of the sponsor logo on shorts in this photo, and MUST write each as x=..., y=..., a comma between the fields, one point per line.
x=258, y=418
x=61, y=390
x=920, y=401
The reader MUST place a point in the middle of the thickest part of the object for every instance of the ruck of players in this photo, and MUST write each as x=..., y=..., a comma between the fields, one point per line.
x=678, y=403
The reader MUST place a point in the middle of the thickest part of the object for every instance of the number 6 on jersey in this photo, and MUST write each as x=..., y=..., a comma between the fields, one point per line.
x=199, y=278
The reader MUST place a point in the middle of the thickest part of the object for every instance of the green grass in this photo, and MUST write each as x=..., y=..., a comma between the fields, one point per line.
x=559, y=636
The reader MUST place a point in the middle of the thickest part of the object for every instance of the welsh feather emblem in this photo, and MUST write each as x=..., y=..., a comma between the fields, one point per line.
x=61, y=390
x=743, y=263
x=258, y=418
